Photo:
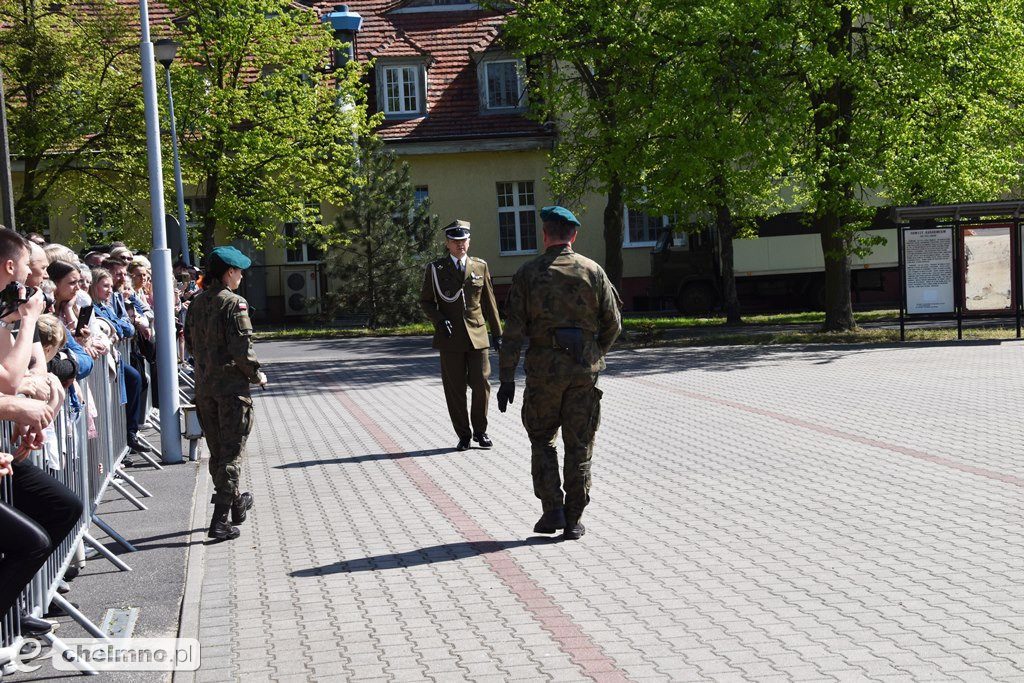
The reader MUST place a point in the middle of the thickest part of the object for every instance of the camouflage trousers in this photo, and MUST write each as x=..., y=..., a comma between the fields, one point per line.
x=561, y=396
x=226, y=422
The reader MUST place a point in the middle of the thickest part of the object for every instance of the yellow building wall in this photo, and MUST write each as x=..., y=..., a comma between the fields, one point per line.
x=464, y=186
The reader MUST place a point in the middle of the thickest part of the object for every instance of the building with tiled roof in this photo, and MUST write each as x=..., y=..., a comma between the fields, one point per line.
x=454, y=107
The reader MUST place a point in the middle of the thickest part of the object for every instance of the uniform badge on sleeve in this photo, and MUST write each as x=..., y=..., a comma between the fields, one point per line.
x=243, y=307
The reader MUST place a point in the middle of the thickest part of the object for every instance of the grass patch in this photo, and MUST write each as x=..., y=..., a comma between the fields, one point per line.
x=701, y=331
x=799, y=338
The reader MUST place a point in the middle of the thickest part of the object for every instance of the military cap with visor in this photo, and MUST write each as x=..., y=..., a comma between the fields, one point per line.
x=231, y=257
x=457, y=230
x=558, y=213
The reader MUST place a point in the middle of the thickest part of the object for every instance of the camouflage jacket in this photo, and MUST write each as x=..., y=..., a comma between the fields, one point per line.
x=466, y=300
x=560, y=288
x=218, y=334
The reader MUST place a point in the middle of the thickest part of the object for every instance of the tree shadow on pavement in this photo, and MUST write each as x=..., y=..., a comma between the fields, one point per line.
x=307, y=379
x=355, y=459
x=446, y=552
x=627, y=362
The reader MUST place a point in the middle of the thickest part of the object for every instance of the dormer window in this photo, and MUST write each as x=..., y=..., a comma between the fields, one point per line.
x=401, y=89
x=501, y=85
x=436, y=6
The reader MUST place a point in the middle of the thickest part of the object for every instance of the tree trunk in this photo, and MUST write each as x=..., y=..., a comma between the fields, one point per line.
x=835, y=245
x=30, y=213
x=832, y=118
x=726, y=231
x=613, y=233
x=209, y=235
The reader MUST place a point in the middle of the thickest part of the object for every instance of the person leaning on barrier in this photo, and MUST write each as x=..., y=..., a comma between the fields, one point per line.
x=567, y=307
x=107, y=304
x=458, y=297
x=53, y=507
x=218, y=334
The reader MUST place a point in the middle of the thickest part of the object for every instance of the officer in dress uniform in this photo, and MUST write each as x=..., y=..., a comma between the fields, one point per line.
x=458, y=297
x=218, y=334
x=566, y=306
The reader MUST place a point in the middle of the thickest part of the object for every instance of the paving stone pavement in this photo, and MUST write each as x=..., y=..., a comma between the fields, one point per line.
x=758, y=514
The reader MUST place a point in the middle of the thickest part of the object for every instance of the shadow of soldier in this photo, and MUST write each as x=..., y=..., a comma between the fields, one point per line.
x=445, y=552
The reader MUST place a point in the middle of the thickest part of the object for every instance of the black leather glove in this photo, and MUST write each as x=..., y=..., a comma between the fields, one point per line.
x=496, y=343
x=444, y=327
x=506, y=392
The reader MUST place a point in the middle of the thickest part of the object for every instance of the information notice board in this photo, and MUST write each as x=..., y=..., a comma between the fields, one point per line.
x=928, y=255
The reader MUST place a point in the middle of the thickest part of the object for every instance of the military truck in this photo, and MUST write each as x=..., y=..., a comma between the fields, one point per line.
x=781, y=269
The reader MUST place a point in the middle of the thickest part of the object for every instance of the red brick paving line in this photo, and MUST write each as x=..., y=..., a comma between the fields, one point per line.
x=570, y=639
x=847, y=436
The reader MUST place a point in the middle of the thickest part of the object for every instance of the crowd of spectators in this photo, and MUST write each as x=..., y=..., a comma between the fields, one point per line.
x=61, y=316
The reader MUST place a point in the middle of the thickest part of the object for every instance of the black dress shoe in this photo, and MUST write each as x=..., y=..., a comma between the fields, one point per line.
x=573, y=531
x=550, y=522
x=463, y=444
x=483, y=440
x=136, y=445
x=33, y=626
x=241, y=507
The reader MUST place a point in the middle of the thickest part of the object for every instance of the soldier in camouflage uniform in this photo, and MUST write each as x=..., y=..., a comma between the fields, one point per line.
x=566, y=306
x=218, y=334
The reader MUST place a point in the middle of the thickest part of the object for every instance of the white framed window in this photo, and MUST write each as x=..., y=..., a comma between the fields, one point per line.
x=642, y=229
x=401, y=89
x=517, y=218
x=501, y=85
x=436, y=6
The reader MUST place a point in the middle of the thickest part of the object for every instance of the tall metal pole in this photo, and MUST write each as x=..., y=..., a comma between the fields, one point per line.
x=160, y=256
x=6, y=186
x=182, y=226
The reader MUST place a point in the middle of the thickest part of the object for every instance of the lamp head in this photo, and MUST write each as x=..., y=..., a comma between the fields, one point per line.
x=164, y=50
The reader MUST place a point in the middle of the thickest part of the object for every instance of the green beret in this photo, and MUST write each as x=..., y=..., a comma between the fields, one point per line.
x=232, y=257
x=558, y=213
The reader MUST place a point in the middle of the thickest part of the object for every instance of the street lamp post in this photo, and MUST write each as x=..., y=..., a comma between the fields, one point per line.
x=165, y=50
x=160, y=255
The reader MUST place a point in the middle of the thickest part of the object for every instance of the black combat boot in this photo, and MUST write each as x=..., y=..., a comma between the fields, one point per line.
x=240, y=507
x=574, y=529
x=550, y=522
x=220, y=529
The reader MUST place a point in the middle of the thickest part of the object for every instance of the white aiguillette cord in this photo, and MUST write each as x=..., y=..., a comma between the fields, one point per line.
x=441, y=295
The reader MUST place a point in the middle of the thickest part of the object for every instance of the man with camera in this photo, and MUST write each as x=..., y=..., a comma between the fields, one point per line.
x=50, y=505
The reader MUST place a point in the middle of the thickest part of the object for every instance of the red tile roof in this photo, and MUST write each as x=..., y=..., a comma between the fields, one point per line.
x=448, y=40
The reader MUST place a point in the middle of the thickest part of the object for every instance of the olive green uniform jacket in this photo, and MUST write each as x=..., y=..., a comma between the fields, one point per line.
x=467, y=300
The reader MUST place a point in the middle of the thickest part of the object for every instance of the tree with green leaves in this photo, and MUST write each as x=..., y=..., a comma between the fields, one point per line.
x=381, y=242
x=266, y=128
x=723, y=126
x=910, y=101
x=74, y=108
x=593, y=71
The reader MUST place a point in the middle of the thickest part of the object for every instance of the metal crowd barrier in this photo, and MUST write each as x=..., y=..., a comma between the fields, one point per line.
x=89, y=467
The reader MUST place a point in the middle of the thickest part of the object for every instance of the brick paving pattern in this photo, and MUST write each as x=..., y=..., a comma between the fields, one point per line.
x=758, y=514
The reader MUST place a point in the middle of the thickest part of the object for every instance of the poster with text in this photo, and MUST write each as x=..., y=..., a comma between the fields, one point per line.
x=928, y=259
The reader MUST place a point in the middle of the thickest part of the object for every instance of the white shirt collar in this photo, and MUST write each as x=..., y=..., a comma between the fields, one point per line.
x=458, y=262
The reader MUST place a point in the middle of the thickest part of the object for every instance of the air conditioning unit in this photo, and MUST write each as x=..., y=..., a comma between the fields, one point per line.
x=301, y=288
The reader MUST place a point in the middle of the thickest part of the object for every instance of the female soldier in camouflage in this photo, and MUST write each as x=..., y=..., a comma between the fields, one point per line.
x=218, y=334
